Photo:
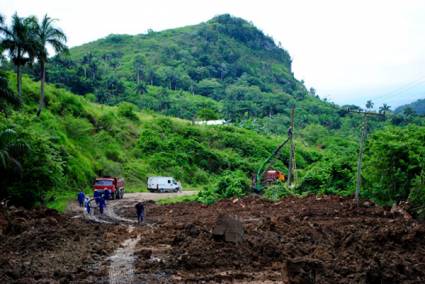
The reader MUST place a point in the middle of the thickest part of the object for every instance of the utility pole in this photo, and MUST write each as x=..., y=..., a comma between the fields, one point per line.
x=291, y=166
x=361, y=151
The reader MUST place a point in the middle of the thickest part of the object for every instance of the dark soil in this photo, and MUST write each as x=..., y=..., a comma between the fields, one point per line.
x=306, y=240
x=42, y=246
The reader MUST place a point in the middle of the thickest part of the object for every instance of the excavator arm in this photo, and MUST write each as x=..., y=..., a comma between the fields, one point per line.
x=265, y=165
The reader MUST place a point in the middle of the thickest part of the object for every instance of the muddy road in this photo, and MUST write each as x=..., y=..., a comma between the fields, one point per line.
x=296, y=240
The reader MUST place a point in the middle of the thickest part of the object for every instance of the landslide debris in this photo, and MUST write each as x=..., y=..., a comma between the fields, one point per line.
x=297, y=240
x=43, y=246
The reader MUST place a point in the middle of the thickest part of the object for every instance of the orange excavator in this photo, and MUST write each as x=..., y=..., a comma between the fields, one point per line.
x=264, y=176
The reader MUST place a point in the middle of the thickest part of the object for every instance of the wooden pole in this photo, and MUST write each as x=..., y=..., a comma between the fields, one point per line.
x=360, y=159
x=361, y=150
x=292, y=149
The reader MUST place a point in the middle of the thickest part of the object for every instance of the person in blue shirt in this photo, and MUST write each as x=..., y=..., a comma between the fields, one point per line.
x=80, y=198
x=96, y=196
x=88, y=206
x=102, y=204
x=107, y=194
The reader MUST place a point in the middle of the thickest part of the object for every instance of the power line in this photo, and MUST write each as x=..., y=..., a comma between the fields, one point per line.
x=403, y=88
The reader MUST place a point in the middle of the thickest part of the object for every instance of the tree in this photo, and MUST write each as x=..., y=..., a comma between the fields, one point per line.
x=19, y=44
x=408, y=112
x=141, y=88
x=384, y=109
x=369, y=104
x=138, y=67
x=45, y=33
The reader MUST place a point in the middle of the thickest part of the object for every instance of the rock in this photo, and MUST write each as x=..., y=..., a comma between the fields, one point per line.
x=228, y=228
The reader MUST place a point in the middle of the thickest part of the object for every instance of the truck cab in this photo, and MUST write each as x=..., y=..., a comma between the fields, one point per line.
x=115, y=186
x=163, y=184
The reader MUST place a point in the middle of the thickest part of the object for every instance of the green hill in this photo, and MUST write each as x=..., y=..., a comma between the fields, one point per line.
x=224, y=66
x=417, y=106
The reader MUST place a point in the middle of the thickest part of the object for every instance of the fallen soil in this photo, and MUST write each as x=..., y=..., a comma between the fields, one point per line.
x=42, y=246
x=297, y=240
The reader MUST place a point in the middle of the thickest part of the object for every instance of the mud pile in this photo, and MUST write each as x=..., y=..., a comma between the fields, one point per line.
x=308, y=240
x=305, y=240
x=42, y=246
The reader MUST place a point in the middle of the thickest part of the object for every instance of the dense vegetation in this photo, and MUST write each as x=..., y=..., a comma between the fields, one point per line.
x=224, y=68
x=74, y=140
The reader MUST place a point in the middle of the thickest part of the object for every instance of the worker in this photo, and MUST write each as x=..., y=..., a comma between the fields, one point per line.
x=87, y=204
x=140, y=208
x=80, y=198
x=102, y=204
x=96, y=196
x=107, y=194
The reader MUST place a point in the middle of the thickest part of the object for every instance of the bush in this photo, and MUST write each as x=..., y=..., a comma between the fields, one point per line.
x=277, y=191
x=128, y=110
x=229, y=184
x=394, y=162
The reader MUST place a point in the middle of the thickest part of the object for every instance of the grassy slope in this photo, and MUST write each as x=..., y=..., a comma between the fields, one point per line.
x=91, y=139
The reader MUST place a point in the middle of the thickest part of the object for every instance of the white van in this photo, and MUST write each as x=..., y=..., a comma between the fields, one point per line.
x=163, y=184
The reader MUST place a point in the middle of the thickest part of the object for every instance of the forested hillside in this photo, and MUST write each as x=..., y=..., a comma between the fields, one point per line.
x=417, y=107
x=223, y=68
x=74, y=140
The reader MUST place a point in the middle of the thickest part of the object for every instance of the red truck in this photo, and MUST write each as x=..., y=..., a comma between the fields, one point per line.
x=114, y=184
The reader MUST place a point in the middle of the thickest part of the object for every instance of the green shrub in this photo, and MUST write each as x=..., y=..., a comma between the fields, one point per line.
x=277, y=191
x=128, y=110
x=229, y=184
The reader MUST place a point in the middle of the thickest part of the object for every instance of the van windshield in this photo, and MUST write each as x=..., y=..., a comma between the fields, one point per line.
x=103, y=182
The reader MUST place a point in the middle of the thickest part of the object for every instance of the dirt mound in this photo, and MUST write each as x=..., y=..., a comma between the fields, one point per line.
x=44, y=246
x=308, y=240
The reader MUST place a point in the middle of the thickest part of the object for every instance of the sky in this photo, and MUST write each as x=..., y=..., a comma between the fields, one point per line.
x=350, y=51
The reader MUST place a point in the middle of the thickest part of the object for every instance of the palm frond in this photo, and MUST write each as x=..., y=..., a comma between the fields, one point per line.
x=4, y=157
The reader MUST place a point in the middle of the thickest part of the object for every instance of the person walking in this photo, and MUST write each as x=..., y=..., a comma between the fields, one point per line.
x=81, y=198
x=87, y=204
x=96, y=196
x=140, y=209
x=101, y=204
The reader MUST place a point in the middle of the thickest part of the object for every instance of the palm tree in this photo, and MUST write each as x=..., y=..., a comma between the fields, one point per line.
x=19, y=44
x=369, y=104
x=46, y=33
x=141, y=88
x=384, y=109
x=10, y=146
